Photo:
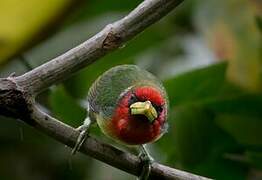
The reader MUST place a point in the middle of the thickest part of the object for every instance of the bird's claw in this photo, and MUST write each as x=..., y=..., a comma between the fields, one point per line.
x=147, y=164
x=146, y=169
x=84, y=131
x=80, y=140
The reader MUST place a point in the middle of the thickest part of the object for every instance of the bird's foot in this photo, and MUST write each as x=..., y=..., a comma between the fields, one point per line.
x=84, y=131
x=147, y=163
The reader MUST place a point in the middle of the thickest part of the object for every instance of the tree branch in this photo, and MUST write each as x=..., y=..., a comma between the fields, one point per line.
x=17, y=93
x=110, y=38
x=101, y=151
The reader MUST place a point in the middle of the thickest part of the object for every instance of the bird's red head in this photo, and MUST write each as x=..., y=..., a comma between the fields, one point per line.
x=133, y=124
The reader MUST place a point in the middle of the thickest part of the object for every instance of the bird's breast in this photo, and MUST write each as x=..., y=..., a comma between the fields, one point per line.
x=130, y=130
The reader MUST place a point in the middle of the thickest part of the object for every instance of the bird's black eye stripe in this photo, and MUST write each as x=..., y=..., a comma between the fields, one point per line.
x=159, y=109
x=133, y=99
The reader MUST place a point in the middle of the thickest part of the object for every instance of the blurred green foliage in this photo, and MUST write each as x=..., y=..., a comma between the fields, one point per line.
x=234, y=35
x=23, y=23
x=213, y=122
x=208, y=54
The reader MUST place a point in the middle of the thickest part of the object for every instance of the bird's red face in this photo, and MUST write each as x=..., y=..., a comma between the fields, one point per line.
x=140, y=116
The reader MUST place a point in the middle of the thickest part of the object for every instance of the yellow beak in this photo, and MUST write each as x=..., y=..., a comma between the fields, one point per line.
x=144, y=108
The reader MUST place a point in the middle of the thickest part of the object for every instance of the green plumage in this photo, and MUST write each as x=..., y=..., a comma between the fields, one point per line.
x=110, y=86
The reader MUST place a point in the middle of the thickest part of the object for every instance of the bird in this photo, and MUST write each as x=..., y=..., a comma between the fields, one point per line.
x=130, y=106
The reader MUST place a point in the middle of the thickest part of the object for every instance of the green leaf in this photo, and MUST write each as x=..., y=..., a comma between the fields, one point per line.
x=199, y=143
x=199, y=85
x=259, y=22
x=245, y=104
x=245, y=129
x=255, y=158
x=65, y=107
x=94, y=8
x=192, y=134
x=222, y=169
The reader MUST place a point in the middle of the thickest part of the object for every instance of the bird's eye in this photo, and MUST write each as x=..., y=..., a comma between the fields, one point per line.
x=133, y=99
x=159, y=108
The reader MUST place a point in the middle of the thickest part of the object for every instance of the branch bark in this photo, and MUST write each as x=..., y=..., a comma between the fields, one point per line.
x=17, y=93
x=103, y=152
